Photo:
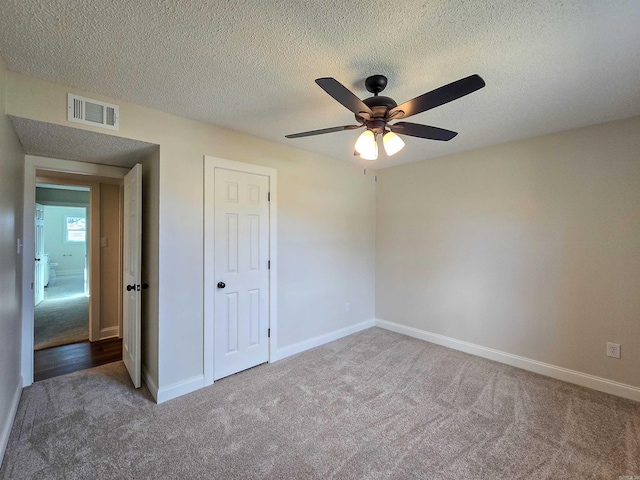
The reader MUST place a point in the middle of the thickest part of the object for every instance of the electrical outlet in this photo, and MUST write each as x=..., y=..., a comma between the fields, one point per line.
x=347, y=307
x=613, y=350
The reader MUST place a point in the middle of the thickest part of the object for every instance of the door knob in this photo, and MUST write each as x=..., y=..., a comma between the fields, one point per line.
x=37, y=259
x=221, y=285
x=130, y=287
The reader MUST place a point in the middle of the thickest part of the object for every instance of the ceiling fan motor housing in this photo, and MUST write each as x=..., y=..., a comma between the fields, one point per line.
x=380, y=106
x=380, y=101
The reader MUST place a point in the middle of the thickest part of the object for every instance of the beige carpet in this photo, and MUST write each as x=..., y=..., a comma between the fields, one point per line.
x=61, y=321
x=63, y=316
x=372, y=405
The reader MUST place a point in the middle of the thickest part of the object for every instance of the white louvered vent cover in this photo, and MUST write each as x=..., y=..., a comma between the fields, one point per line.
x=92, y=112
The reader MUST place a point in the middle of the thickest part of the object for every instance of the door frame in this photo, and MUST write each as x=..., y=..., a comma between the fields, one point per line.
x=31, y=164
x=210, y=165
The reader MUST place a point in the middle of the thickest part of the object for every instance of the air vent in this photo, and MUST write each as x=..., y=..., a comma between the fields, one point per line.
x=92, y=112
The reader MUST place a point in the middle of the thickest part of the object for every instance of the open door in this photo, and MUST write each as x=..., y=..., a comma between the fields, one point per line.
x=132, y=270
x=40, y=263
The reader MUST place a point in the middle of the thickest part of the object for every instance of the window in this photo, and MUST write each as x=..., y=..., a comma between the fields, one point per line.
x=75, y=229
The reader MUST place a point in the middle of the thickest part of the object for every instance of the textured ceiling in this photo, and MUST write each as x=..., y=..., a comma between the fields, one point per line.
x=250, y=65
x=58, y=141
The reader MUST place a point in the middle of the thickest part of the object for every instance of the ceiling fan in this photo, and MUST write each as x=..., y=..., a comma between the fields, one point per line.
x=375, y=113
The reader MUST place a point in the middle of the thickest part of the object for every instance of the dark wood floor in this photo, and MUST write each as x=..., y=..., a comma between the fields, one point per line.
x=54, y=361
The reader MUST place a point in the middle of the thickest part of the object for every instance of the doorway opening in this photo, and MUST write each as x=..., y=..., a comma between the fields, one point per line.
x=77, y=312
x=62, y=289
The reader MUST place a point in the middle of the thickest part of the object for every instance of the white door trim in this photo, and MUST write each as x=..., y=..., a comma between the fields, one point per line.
x=93, y=252
x=210, y=164
x=31, y=164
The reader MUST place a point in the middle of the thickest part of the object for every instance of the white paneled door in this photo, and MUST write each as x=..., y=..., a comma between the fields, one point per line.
x=241, y=271
x=40, y=264
x=132, y=272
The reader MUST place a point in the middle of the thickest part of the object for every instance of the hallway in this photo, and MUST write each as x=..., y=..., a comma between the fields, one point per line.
x=62, y=317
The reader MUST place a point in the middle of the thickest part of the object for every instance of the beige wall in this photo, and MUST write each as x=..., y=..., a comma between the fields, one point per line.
x=150, y=253
x=11, y=181
x=325, y=225
x=110, y=272
x=531, y=248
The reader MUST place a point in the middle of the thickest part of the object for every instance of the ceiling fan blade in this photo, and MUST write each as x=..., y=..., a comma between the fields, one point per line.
x=343, y=95
x=324, y=130
x=439, y=96
x=422, y=131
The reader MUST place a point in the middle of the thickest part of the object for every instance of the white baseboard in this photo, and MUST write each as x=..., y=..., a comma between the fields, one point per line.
x=178, y=389
x=190, y=385
x=559, y=373
x=299, y=347
x=5, y=428
x=151, y=385
x=109, y=332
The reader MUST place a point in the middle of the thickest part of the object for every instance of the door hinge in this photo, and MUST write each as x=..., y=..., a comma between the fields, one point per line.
x=269, y=333
x=269, y=265
x=268, y=196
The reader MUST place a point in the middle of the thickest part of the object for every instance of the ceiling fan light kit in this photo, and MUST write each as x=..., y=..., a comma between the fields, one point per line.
x=371, y=151
x=365, y=143
x=392, y=143
x=375, y=113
